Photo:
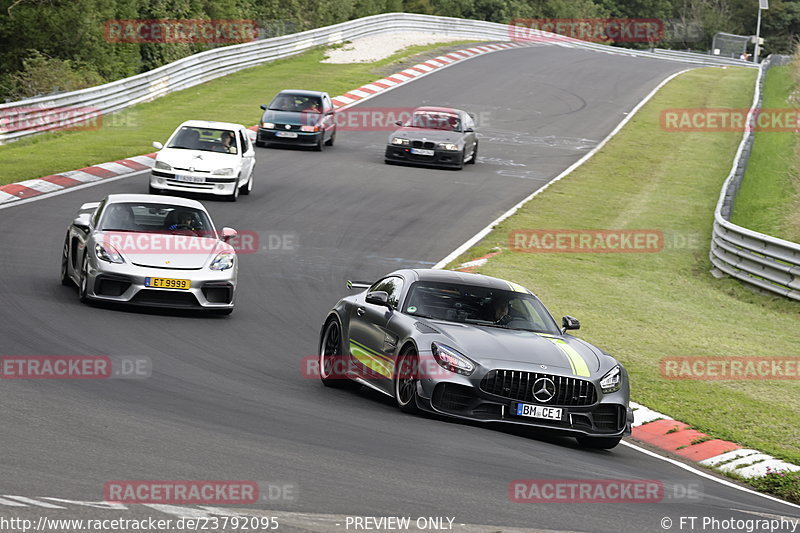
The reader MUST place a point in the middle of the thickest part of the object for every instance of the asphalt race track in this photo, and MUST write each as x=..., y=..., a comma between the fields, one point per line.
x=227, y=400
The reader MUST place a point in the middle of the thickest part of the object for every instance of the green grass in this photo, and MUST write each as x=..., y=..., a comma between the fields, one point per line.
x=768, y=198
x=645, y=307
x=234, y=98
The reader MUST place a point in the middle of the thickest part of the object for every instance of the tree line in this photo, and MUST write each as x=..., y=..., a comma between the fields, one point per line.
x=51, y=46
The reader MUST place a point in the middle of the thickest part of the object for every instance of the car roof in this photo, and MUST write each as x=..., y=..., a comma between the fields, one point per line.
x=300, y=92
x=211, y=124
x=150, y=198
x=464, y=278
x=440, y=109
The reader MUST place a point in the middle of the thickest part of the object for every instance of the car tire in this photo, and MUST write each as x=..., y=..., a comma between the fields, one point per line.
x=83, y=286
x=330, y=349
x=405, y=380
x=599, y=443
x=330, y=141
x=65, y=279
x=474, y=157
x=320, y=144
x=247, y=189
x=260, y=144
x=232, y=197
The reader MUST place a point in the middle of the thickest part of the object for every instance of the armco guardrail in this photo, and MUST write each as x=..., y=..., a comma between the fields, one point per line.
x=766, y=262
x=27, y=117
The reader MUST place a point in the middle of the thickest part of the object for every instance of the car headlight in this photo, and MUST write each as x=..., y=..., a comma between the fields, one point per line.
x=108, y=254
x=160, y=165
x=223, y=172
x=401, y=141
x=450, y=359
x=223, y=261
x=612, y=381
x=449, y=146
x=309, y=129
x=268, y=125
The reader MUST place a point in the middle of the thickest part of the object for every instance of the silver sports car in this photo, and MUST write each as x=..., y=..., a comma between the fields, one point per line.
x=478, y=348
x=146, y=250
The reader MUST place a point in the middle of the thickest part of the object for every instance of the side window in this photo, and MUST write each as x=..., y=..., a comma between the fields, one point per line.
x=243, y=141
x=97, y=213
x=393, y=286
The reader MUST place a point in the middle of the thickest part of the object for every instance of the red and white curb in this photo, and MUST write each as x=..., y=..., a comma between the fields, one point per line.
x=58, y=182
x=65, y=180
x=663, y=432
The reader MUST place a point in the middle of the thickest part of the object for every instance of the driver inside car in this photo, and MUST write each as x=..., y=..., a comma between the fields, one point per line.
x=184, y=220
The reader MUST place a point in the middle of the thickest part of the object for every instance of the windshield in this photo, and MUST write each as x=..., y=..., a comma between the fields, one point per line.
x=481, y=306
x=431, y=120
x=153, y=217
x=296, y=103
x=205, y=139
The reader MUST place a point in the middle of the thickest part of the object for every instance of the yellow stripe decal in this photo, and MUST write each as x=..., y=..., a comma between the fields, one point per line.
x=370, y=361
x=576, y=362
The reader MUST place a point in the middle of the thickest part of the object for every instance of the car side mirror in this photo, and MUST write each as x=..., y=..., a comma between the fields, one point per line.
x=469, y=130
x=570, y=322
x=82, y=221
x=398, y=122
x=228, y=234
x=264, y=107
x=378, y=298
x=157, y=145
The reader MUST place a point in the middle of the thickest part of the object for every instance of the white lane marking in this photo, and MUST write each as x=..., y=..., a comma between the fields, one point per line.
x=180, y=512
x=485, y=231
x=70, y=189
x=700, y=473
x=3, y=501
x=96, y=505
x=31, y=501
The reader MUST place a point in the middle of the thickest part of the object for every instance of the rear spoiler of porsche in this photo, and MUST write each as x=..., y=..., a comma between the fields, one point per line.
x=358, y=284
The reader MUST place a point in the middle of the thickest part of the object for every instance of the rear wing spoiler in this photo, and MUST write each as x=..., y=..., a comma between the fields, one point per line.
x=358, y=284
x=91, y=206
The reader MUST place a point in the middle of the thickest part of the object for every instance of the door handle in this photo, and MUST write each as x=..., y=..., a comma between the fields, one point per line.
x=360, y=311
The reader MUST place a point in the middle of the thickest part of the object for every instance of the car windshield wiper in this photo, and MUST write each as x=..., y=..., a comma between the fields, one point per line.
x=125, y=230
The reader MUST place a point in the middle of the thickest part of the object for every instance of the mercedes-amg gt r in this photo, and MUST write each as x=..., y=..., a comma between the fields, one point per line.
x=475, y=347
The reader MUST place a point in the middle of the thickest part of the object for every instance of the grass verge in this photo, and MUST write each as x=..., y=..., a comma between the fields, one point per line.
x=643, y=307
x=233, y=98
x=769, y=198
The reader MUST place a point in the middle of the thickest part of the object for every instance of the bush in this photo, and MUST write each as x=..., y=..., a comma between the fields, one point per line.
x=783, y=484
x=41, y=75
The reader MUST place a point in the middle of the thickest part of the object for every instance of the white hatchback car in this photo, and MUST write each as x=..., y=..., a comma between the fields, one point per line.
x=205, y=157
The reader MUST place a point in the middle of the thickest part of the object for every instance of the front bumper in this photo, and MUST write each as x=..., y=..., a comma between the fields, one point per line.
x=303, y=138
x=463, y=397
x=166, y=181
x=125, y=284
x=440, y=158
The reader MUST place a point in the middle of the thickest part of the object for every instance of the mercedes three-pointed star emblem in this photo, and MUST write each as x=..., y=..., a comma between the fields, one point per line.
x=544, y=389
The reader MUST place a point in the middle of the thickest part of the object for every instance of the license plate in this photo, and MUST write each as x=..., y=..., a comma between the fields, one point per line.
x=190, y=179
x=538, y=411
x=287, y=134
x=422, y=151
x=167, y=283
